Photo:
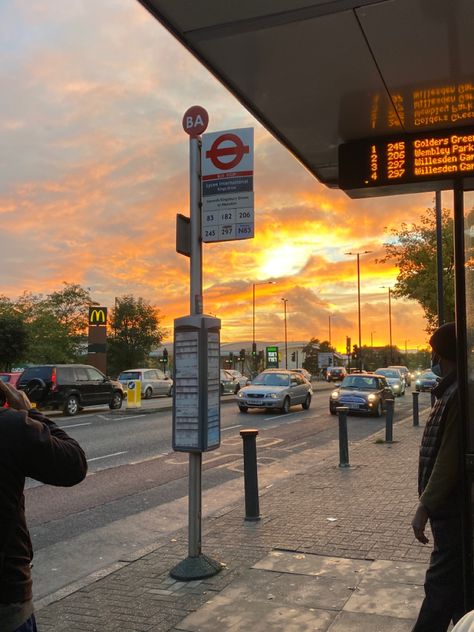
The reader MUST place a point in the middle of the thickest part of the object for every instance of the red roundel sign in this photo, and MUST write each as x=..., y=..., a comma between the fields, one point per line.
x=232, y=154
x=195, y=121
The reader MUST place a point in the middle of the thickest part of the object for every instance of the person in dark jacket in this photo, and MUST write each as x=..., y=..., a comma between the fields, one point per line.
x=30, y=445
x=440, y=492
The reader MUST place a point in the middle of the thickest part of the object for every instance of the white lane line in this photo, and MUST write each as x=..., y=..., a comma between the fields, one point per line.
x=76, y=425
x=280, y=416
x=232, y=427
x=132, y=416
x=106, y=456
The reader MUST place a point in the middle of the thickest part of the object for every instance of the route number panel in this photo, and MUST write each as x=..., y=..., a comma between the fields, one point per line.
x=405, y=160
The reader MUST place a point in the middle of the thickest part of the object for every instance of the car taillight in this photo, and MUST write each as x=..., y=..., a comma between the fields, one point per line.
x=54, y=383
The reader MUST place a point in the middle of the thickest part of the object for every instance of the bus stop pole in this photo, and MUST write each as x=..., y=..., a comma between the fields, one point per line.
x=196, y=307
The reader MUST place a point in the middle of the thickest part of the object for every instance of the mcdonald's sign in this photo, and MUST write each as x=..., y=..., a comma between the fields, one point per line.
x=97, y=316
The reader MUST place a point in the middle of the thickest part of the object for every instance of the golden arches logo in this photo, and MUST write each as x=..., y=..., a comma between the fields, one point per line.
x=97, y=316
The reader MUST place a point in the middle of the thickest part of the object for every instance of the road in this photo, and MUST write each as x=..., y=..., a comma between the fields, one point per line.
x=136, y=489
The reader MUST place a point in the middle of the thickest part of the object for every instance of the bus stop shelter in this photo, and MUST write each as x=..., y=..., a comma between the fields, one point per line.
x=372, y=97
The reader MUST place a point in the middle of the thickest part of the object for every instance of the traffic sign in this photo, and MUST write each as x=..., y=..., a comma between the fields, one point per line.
x=227, y=185
x=195, y=121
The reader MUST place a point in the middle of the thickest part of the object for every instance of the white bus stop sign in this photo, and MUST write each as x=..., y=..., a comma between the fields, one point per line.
x=227, y=185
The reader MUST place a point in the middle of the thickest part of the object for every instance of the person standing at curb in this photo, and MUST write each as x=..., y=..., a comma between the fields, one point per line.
x=440, y=492
x=30, y=445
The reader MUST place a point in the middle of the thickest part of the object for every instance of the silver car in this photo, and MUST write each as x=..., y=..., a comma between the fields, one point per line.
x=275, y=389
x=153, y=382
x=395, y=380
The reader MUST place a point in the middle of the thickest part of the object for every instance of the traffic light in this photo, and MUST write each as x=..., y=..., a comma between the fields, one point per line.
x=165, y=356
x=348, y=345
x=293, y=356
x=242, y=355
x=355, y=352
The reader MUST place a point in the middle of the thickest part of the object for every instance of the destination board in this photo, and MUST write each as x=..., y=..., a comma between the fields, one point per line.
x=408, y=159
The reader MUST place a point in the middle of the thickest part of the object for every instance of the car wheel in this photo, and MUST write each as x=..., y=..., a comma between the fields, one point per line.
x=170, y=392
x=148, y=393
x=243, y=409
x=237, y=388
x=332, y=411
x=285, y=409
x=71, y=406
x=117, y=400
x=378, y=410
x=307, y=402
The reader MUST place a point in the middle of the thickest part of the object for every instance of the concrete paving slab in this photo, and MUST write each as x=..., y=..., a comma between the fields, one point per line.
x=397, y=600
x=347, y=570
x=356, y=622
x=293, y=590
x=397, y=572
x=226, y=613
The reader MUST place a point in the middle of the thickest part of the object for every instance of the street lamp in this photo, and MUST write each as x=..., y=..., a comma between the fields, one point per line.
x=389, y=318
x=254, y=344
x=357, y=254
x=329, y=330
x=285, y=301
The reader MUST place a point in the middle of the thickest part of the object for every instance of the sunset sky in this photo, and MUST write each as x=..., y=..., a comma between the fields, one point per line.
x=94, y=169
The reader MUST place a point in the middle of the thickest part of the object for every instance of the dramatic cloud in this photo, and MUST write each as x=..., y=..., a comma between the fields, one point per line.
x=94, y=168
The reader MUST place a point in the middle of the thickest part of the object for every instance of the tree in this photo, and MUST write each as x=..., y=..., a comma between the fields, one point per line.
x=56, y=323
x=134, y=332
x=311, y=351
x=413, y=250
x=13, y=340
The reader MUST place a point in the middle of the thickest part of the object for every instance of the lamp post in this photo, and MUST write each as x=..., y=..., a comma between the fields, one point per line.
x=372, y=338
x=357, y=254
x=390, y=319
x=254, y=344
x=285, y=301
x=329, y=329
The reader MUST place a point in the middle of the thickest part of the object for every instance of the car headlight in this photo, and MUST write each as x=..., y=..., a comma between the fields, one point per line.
x=396, y=387
x=372, y=397
x=418, y=382
x=334, y=395
x=272, y=395
x=240, y=394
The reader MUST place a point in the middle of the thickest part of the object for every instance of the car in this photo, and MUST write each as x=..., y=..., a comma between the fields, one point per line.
x=306, y=374
x=404, y=371
x=356, y=370
x=242, y=380
x=228, y=384
x=279, y=389
x=361, y=393
x=152, y=382
x=10, y=378
x=395, y=380
x=426, y=381
x=335, y=373
x=69, y=387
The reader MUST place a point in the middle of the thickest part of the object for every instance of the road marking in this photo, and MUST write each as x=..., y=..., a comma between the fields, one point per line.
x=106, y=456
x=232, y=427
x=280, y=416
x=77, y=425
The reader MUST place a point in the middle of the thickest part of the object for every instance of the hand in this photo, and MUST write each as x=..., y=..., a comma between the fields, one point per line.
x=15, y=399
x=419, y=523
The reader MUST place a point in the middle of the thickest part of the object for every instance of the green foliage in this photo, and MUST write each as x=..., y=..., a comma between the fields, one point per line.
x=413, y=250
x=13, y=340
x=134, y=332
x=311, y=351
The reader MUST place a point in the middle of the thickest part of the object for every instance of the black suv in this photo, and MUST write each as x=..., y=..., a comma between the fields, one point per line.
x=69, y=387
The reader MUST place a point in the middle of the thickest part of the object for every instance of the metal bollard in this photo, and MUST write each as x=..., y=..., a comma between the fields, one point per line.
x=389, y=408
x=416, y=416
x=252, y=507
x=343, y=442
x=433, y=399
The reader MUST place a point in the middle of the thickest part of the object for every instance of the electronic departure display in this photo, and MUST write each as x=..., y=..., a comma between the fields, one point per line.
x=412, y=162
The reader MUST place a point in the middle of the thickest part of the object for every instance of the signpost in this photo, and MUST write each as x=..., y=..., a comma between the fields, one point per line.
x=272, y=357
x=227, y=185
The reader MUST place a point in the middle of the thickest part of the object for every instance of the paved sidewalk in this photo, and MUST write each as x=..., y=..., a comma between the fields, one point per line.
x=334, y=552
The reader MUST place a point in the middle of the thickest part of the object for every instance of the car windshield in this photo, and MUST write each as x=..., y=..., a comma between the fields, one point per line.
x=359, y=382
x=272, y=379
x=129, y=375
x=388, y=372
x=428, y=374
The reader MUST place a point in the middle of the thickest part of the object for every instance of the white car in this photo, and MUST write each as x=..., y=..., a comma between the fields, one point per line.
x=306, y=374
x=243, y=380
x=153, y=382
x=395, y=380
